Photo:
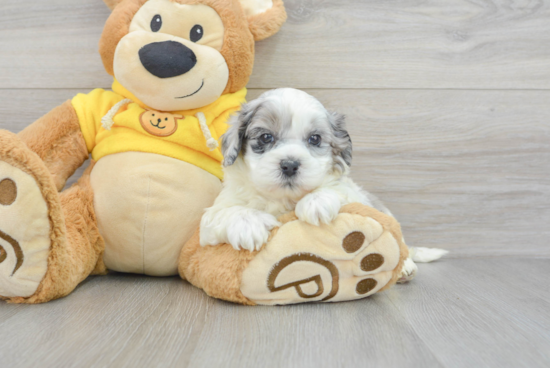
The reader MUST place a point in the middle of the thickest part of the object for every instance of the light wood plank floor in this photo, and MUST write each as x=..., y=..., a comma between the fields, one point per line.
x=448, y=105
x=457, y=313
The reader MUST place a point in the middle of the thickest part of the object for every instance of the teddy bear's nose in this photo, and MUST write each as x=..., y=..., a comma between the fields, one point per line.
x=167, y=59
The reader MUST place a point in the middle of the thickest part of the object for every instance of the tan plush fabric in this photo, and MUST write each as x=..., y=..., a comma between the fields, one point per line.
x=253, y=7
x=26, y=205
x=390, y=224
x=302, y=262
x=216, y=270
x=148, y=206
x=53, y=148
x=57, y=140
x=75, y=245
x=79, y=253
x=266, y=24
x=115, y=28
x=111, y=3
x=239, y=34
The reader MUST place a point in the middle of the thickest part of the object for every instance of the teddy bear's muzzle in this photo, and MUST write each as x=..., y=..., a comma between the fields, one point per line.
x=167, y=59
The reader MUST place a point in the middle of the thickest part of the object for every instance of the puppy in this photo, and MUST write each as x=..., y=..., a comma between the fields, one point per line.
x=283, y=152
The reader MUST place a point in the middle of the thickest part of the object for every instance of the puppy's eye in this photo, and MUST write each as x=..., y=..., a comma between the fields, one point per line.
x=196, y=33
x=266, y=138
x=315, y=140
x=156, y=23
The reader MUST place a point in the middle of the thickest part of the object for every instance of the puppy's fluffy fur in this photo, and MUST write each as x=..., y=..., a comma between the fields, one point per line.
x=284, y=151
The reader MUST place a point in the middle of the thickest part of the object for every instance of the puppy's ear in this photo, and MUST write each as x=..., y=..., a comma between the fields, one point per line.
x=232, y=140
x=112, y=3
x=265, y=17
x=341, y=146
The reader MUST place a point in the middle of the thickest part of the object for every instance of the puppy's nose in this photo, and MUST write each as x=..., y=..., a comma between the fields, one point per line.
x=290, y=167
x=167, y=59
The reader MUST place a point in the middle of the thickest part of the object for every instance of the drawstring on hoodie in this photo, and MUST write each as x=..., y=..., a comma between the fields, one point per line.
x=107, y=123
x=210, y=142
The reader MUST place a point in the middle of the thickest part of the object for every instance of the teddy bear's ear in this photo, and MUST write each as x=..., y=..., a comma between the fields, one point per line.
x=112, y=3
x=265, y=17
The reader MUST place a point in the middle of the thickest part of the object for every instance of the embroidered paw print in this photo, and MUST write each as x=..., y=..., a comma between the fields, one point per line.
x=8, y=195
x=25, y=236
x=351, y=258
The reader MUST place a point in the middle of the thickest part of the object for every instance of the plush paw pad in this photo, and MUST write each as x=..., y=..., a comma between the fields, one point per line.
x=351, y=258
x=24, y=233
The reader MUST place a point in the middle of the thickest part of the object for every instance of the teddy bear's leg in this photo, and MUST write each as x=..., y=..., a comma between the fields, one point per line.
x=217, y=270
x=57, y=140
x=357, y=255
x=49, y=242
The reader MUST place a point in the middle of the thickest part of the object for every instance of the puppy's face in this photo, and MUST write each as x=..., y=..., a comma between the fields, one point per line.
x=288, y=142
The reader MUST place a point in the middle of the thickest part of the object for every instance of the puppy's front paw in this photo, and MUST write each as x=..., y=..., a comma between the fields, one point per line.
x=318, y=207
x=250, y=230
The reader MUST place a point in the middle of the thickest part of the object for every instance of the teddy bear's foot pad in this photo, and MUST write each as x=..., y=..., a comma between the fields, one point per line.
x=349, y=259
x=24, y=229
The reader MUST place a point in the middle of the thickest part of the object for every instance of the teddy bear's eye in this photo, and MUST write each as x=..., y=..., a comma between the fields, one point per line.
x=196, y=33
x=156, y=23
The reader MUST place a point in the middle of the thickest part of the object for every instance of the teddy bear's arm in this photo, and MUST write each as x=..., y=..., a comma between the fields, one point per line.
x=57, y=139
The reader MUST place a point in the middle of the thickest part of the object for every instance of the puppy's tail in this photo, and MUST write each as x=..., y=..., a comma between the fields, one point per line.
x=425, y=255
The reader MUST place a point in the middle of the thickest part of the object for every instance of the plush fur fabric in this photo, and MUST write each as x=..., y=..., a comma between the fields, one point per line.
x=239, y=37
x=219, y=270
x=76, y=247
x=14, y=152
x=116, y=27
x=273, y=18
x=216, y=270
x=56, y=138
x=52, y=148
x=111, y=3
x=78, y=252
x=388, y=223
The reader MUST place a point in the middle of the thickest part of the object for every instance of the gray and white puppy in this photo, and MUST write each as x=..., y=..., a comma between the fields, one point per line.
x=284, y=152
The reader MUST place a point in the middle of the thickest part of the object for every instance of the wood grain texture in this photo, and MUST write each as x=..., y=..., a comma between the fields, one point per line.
x=448, y=107
x=454, y=314
x=462, y=170
x=492, y=44
x=471, y=319
x=311, y=335
x=117, y=320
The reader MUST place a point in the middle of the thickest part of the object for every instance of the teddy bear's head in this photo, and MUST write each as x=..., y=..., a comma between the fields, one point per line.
x=184, y=54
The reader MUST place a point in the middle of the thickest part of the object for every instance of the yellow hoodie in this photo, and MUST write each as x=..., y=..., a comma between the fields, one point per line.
x=187, y=142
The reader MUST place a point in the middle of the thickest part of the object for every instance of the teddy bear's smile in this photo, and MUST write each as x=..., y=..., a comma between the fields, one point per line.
x=194, y=93
x=157, y=125
x=172, y=44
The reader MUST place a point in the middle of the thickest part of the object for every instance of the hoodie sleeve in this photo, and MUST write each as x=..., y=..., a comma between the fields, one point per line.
x=90, y=109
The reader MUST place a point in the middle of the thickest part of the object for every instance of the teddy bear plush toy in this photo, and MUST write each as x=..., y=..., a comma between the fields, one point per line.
x=180, y=68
